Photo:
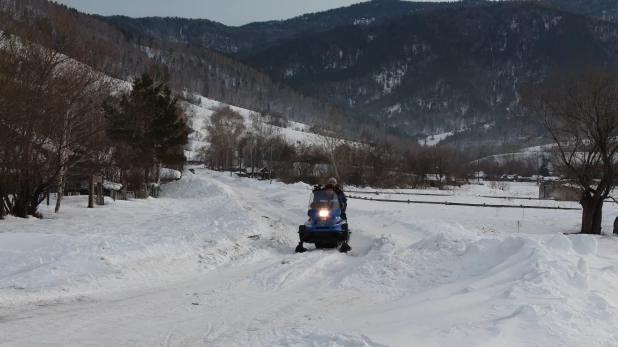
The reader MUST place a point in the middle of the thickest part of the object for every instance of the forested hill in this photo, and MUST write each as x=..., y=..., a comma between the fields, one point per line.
x=443, y=69
x=185, y=67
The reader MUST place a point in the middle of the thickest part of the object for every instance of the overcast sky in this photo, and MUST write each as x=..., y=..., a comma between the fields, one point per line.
x=230, y=12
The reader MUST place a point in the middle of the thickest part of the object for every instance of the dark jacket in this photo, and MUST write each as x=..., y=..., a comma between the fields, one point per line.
x=341, y=194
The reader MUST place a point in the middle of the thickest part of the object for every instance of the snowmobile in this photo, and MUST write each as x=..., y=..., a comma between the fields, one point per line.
x=325, y=227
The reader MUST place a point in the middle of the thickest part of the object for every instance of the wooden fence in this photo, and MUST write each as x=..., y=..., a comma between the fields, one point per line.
x=446, y=203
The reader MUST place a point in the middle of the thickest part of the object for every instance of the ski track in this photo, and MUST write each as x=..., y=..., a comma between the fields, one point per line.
x=440, y=285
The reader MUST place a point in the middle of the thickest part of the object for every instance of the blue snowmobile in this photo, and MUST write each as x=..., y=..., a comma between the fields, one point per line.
x=325, y=227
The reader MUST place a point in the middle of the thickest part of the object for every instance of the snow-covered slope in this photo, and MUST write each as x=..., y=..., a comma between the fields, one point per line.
x=295, y=133
x=433, y=140
x=211, y=263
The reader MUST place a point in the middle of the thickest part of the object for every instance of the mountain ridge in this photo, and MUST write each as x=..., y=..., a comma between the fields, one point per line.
x=442, y=69
x=250, y=38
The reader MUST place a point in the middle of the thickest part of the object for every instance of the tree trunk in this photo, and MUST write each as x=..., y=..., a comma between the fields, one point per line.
x=227, y=162
x=26, y=202
x=36, y=199
x=591, y=214
x=20, y=203
x=64, y=156
x=91, y=192
x=60, y=191
x=4, y=207
x=146, y=174
x=20, y=208
x=100, y=198
x=252, y=161
x=158, y=168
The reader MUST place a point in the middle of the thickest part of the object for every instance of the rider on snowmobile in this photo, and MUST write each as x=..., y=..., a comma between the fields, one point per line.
x=327, y=205
x=333, y=181
x=330, y=189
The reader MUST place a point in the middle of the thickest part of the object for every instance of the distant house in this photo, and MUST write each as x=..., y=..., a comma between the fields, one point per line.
x=435, y=178
x=509, y=177
x=265, y=173
x=261, y=174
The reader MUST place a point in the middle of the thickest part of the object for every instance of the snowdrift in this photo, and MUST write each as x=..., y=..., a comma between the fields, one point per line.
x=197, y=224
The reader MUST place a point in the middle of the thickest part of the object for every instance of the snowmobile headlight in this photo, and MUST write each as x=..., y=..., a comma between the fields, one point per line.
x=323, y=213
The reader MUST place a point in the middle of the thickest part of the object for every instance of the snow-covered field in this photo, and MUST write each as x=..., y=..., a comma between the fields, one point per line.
x=211, y=263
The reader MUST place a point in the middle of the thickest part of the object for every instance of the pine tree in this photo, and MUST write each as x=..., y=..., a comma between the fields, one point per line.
x=148, y=122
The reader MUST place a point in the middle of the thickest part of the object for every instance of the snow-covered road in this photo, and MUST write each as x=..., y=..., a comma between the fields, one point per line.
x=215, y=267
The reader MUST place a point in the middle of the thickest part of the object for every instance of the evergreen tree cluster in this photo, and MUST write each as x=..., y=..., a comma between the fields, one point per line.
x=149, y=124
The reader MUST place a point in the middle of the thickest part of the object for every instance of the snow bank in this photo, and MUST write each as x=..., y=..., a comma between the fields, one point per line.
x=68, y=254
x=585, y=244
x=582, y=244
x=560, y=242
x=392, y=268
x=522, y=283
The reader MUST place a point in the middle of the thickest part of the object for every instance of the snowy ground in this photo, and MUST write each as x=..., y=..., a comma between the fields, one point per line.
x=211, y=263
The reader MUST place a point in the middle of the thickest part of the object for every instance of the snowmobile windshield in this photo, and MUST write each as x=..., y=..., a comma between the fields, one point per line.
x=322, y=200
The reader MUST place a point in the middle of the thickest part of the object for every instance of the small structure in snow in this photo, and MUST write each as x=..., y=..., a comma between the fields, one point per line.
x=168, y=175
x=112, y=189
x=260, y=174
x=112, y=185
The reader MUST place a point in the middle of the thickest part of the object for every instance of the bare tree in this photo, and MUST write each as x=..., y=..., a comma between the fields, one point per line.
x=331, y=147
x=48, y=107
x=224, y=130
x=265, y=136
x=579, y=110
x=441, y=158
x=79, y=119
